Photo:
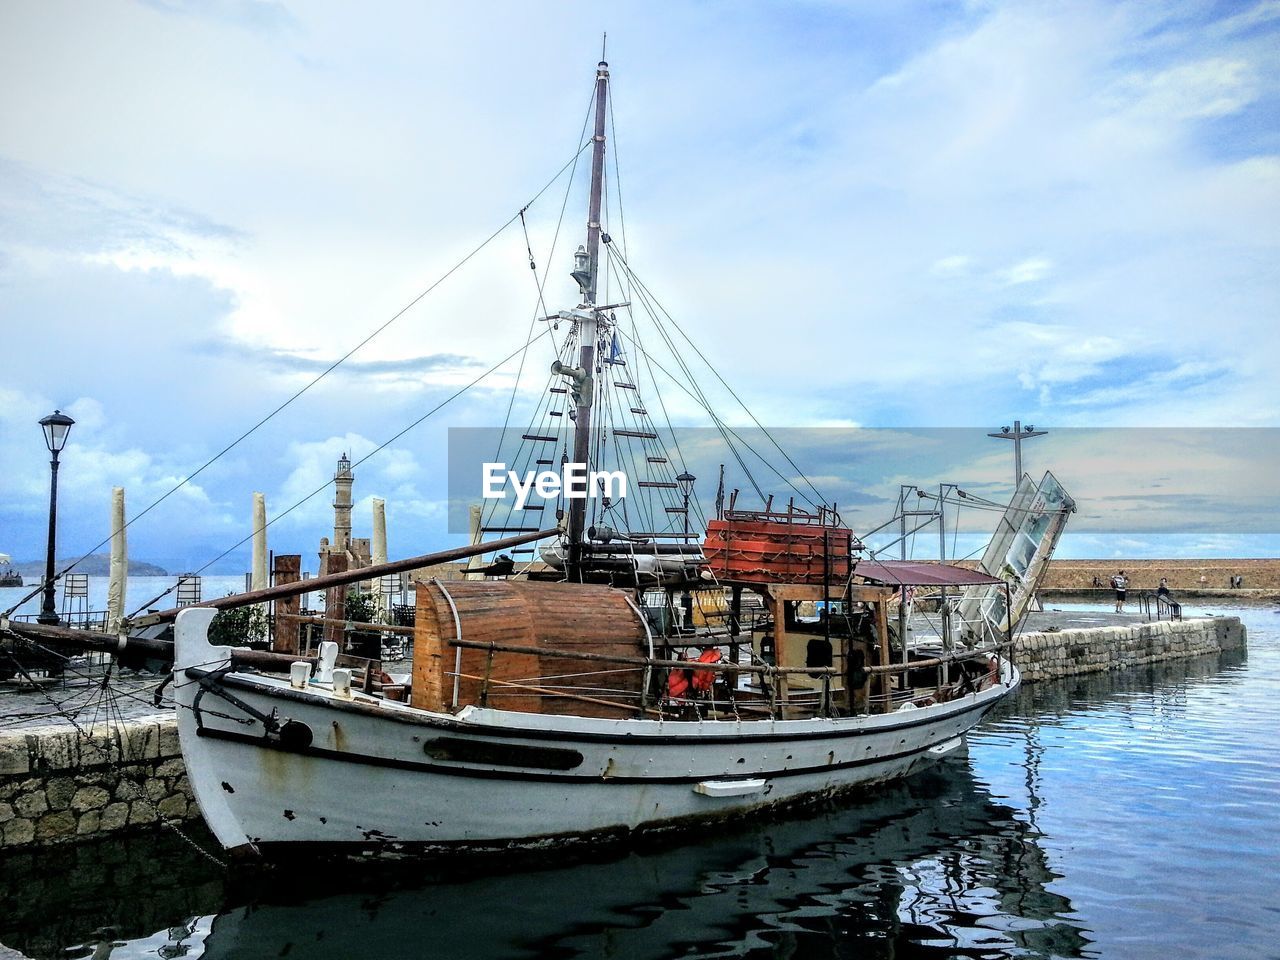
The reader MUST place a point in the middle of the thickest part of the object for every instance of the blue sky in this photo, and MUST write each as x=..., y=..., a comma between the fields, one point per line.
x=886, y=214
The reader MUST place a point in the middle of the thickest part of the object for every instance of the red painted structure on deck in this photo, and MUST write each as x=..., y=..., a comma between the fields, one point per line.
x=792, y=547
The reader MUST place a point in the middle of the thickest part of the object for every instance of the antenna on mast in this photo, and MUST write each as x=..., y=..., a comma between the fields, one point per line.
x=604, y=42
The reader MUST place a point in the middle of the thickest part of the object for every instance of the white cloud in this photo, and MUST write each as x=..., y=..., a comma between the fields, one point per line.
x=1213, y=87
x=955, y=265
x=1064, y=212
x=1026, y=271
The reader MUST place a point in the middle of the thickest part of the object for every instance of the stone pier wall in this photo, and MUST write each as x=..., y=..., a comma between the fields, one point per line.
x=1065, y=653
x=58, y=783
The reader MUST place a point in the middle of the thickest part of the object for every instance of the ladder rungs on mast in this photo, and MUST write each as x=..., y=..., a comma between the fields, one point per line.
x=539, y=437
x=534, y=506
x=642, y=434
x=640, y=410
x=510, y=529
x=544, y=463
x=559, y=390
x=623, y=385
x=675, y=510
x=658, y=484
x=656, y=459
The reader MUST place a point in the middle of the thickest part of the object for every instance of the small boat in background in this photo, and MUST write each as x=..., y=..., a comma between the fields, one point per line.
x=9, y=577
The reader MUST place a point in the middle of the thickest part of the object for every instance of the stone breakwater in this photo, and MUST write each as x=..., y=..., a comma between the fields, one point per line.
x=1065, y=653
x=60, y=784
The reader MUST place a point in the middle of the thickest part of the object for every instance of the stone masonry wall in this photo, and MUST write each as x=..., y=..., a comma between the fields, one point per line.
x=59, y=784
x=1047, y=656
x=1182, y=574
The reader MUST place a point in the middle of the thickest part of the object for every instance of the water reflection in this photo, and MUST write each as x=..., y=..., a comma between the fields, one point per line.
x=1000, y=855
x=104, y=893
x=1149, y=790
x=933, y=867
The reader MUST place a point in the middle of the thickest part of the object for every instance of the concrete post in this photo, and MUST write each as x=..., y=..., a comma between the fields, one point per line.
x=118, y=584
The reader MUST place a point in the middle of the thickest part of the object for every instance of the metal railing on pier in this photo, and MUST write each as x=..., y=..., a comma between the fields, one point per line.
x=1159, y=606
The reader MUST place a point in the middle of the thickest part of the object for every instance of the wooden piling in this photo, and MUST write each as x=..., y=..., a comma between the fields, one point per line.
x=335, y=599
x=287, y=569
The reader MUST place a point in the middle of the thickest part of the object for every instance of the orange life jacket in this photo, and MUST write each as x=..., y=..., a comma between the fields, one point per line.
x=703, y=680
x=680, y=682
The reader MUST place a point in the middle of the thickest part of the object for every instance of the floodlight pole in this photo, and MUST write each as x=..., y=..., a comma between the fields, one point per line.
x=1017, y=436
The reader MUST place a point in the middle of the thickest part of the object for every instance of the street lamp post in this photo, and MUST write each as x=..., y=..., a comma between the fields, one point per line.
x=1017, y=436
x=56, y=426
x=685, y=480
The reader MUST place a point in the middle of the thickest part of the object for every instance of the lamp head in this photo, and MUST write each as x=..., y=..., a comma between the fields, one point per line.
x=686, y=482
x=582, y=267
x=56, y=427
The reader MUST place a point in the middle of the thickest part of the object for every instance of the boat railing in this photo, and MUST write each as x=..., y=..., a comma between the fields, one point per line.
x=768, y=674
x=396, y=639
x=78, y=619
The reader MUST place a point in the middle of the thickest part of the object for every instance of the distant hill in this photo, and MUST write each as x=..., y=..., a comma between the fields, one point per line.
x=98, y=565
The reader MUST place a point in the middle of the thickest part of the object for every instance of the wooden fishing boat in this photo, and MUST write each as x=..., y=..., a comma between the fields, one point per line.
x=564, y=705
x=480, y=757
x=654, y=671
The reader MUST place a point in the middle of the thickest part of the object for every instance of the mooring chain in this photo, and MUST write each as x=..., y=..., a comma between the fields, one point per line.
x=108, y=699
x=173, y=825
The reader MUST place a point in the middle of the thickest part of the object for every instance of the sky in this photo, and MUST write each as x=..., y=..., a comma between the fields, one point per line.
x=895, y=216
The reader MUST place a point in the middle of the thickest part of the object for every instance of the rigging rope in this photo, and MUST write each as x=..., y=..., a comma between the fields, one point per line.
x=376, y=450
x=640, y=283
x=540, y=284
x=572, y=162
x=715, y=419
x=700, y=396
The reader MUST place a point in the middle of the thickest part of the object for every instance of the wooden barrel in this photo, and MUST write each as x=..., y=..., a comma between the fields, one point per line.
x=561, y=617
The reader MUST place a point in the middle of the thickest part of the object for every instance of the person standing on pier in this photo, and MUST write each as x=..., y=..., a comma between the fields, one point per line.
x=1121, y=583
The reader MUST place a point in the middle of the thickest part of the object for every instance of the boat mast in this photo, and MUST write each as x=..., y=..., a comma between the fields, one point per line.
x=587, y=328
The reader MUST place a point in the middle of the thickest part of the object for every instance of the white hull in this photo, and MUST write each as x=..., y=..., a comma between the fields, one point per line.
x=383, y=774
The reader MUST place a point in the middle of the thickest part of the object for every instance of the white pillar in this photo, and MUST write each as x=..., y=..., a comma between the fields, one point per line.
x=378, y=549
x=379, y=546
x=258, y=575
x=258, y=579
x=474, y=563
x=118, y=583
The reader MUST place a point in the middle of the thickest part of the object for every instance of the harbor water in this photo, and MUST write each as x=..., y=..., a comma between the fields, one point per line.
x=1128, y=815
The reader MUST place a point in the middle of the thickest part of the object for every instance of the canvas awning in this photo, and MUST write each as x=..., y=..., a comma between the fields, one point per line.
x=918, y=573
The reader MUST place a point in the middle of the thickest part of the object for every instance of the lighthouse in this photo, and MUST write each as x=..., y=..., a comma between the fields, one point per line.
x=342, y=481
